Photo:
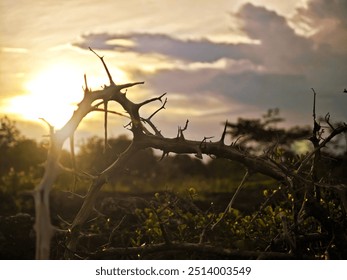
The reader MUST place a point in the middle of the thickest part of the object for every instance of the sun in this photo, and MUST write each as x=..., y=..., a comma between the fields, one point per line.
x=53, y=94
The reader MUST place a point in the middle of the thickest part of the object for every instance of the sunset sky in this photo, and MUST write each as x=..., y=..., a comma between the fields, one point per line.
x=216, y=60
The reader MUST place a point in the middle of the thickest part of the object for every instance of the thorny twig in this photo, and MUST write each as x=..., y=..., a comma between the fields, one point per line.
x=231, y=203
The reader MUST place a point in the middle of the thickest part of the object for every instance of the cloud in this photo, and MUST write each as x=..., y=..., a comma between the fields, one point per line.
x=13, y=50
x=328, y=20
x=269, y=28
x=262, y=90
x=280, y=49
x=188, y=50
x=279, y=71
x=318, y=10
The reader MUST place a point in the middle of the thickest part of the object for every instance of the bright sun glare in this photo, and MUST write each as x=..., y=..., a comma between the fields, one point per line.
x=54, y=93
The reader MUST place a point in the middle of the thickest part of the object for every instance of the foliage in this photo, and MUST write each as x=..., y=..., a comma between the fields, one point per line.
x=301, y=215
x=20, y=163
x=276, y=227
x=170, y=218
x=189, y=214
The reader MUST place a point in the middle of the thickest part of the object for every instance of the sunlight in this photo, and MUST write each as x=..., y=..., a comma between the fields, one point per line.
x=54, y=93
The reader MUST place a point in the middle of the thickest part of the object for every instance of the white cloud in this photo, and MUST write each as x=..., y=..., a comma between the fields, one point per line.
x=13, y=50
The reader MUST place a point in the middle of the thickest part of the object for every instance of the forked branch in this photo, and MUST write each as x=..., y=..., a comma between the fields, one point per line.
x=142, y=139
x=43, y=227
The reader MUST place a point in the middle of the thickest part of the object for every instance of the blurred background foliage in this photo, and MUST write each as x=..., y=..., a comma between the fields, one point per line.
x=21, y=162
x=209, y=183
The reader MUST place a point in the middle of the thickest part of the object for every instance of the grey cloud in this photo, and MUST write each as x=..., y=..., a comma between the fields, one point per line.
x=323, y=9
x=290, y=64
x=289, y=92
x=99, y=41
x=264, y=90
x=328, y=19
x=269, y=90
x=189, y=50
x=280, y=49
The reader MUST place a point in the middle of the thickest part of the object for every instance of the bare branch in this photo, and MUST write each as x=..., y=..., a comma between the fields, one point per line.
x=224, y=133
x=227, y=209
x=151, y=100
x=106, y=145
x=142, y=139
x=180, y=130
x=105, y=66
x=73, y=159
x=327, y=120
x=336, y=131
x=51, y=127
x=110, y=112
x=128, y=85
x=314, y=104
x=74, y=172
x=161, y=108
x=86, y=88
x=149, y=121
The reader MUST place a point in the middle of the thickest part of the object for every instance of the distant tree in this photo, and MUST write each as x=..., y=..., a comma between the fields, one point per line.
x=17, y=152
x=260, y=134
x=9, y=135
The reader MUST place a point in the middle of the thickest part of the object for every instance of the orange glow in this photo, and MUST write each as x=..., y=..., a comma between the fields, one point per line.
x=54, y=93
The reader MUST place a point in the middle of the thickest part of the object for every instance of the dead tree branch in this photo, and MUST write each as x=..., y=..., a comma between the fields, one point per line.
x=43, y=227
x=142, y=139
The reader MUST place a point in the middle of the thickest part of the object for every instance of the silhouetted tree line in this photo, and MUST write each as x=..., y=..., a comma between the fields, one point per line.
x=22, y=157
x=21, y=168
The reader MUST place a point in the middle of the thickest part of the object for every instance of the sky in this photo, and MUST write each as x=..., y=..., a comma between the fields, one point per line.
x=216, y=60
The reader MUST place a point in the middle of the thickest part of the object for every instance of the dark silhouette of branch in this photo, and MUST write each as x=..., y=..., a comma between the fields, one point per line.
x=143, y=139
x=105, y=66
